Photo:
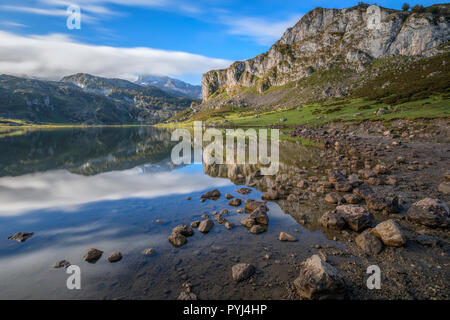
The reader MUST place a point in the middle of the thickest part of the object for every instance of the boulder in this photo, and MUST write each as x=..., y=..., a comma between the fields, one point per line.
x=184, y=230
x=332, y=219
x=389, y=233
x=260, y=216
x=206, y=226
x=380, y=204
x=356, y=217
x=429, y=212
x=251, y=205
x=286, y=237
x=242, y=271
x=369, y=243
x=92, y=255
x=248, y=222
x=319, y=280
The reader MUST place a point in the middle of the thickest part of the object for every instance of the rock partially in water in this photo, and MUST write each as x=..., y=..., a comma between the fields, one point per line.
x=242, y=271
x=257, y=229
x=206, y=226
x=260, y=216
x=92, y=255
x=286, y=237
x=62, y=264
x=177, y=239
x=195, y=224
x=369, y=243
x=333, y=198
x=116, y=256
x=229, y=225
x=214, y=194
x=244, y=190
x=356, y=217
x=236, y=202
x=332, y=219
x=380, y=204
x=251, y=205
x=319, y=280
x=183, y=230
x=228, y=196
x=248, y=222
x=389, y=232
x=21, y=236
x=429, y=212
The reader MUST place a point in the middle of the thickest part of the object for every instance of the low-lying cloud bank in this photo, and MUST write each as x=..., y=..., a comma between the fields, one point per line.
x=54, y=56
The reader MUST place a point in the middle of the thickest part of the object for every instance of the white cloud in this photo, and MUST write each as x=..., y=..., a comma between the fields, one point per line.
x=65, y=190
x=262, y=31
x=54, y=56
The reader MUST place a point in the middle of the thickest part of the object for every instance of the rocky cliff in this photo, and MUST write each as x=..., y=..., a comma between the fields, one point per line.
x=326, y=39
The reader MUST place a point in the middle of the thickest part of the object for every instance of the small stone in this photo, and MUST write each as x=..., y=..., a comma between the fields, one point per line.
x=189, y=198
x=333, y=198
x=148, y=251
x=92, y=255
x=229, y=225
x=159, y=221
x=444, y=187
x=187, y=296
x=206, y=226
x=228, y=196
x=428, y=241
x=21, y=236
x=184, y=230
x=215, y=194
x=332, y=219
x=271, y=195
x=242, y=271
x=385, y=205
x=236, y=202
x=62, y=264
x=286, y=237
x=351, y=199
x=248, y=222
x=240, y=211
x=389, y=233
x=257, y=229
x=251, y=205
x=195, y=224
x=116, y=256
x=177, y=239
x=244, y=191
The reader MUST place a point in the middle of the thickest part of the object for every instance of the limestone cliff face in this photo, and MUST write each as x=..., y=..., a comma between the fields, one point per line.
x=325, y=38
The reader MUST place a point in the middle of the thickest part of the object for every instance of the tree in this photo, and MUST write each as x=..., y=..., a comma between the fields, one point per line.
x=405, y=7
x=418, y=8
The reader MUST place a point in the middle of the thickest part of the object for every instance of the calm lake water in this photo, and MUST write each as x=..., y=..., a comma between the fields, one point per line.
x=105, y=188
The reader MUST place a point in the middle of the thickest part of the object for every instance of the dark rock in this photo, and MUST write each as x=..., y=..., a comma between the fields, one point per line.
x=334, y=198
x=116, y=256
x=369, y=243
x=335, y=177
x=252, y=205
x=184, y=230
x=377, y=203
x=195, y=224
x=244, y=190
x=428, y=241
x=92, y=255
x=242, y=271
x=257, y=229
x=332, y=219
x=356, y=217
x=215, y=194
x=21, y=236
x=429, y=212
x=62, y=264
x=271, y=195
x=363, y=191
x=351, y=199
x=228, y=196
x=236, y=202
x=206, y=226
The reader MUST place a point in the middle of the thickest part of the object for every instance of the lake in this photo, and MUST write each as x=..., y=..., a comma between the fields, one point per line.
x=105, y=188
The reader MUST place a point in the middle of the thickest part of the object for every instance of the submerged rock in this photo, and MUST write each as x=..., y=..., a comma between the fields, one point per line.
x=148, y=251
x=116, y=256
x=430, y=212
x=242, y=271
x=319, y=280
x=257, y=229
x=92, y=255
x=286, y=237
x=21, y=236
x=177, y=239
x=251, y=205
x=206, y=226
x=369, y=243
x=244, y=190
x=390, y=233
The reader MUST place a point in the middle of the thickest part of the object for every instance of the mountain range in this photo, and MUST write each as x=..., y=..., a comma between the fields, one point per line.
x=172, y=86
x=85, y=99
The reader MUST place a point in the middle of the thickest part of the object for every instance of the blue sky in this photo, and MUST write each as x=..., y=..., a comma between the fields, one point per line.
x=212, y=33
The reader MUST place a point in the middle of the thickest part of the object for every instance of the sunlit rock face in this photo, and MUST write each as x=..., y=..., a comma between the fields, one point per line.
x=324, y=38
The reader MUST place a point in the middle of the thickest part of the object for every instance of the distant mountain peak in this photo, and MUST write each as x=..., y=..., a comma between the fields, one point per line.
x=172, y=86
